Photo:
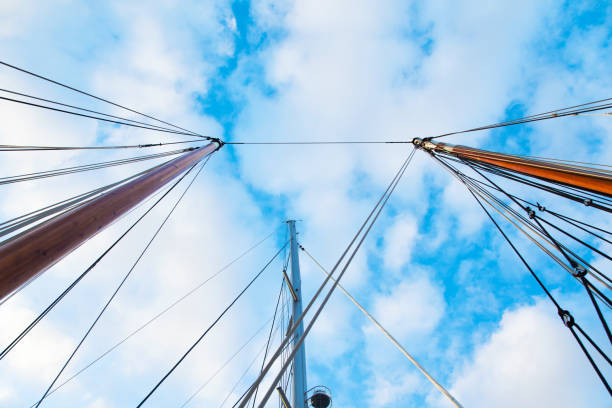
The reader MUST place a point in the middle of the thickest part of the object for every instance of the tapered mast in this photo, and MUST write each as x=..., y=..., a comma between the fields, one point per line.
x=570, y=175
x=299, y=361
x=26, y=255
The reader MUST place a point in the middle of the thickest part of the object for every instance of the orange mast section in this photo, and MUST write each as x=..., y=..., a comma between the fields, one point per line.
x=595, y=180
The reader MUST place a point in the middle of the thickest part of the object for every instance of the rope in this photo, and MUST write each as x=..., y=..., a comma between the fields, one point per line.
x=280, y=292
x=83, y=115
x=87, y=167
x=584, y=197
x=17, y=148
x=533, y=118
x=226, y=363
x=374, y=214
x=95, y=97
x=565, y=315
x=244, y=373
x=82, y=275
x=158, y=315
x=240, y=379
x=208, y=329
x=317, y=142
x=570, y=260
x=489, y=199
x=387, y=334
x=83, y=109
x=63, y=206
x=125, y=278
x=542, y=116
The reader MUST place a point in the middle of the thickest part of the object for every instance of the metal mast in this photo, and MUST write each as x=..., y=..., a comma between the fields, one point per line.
x=299, y=361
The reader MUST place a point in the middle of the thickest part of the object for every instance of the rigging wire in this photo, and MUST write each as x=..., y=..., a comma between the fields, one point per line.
x=88, y=167
x=208, y=329
x=83, y=109
x=19, y=148
x=63, y=206
x=158, y=315
x=535, y=229
x=586, y=107
x=23, y=286
x=137, y=206
x=84, y=273
x=561, y=160
x=365, y=227
x=532, y=216
x=96, y=97
x=579, y=271
x=280, y=292
x=543, y=209
x=588, y=199
x=103, y=119
x=401, y=348
x=244, y=374
x=319, y=142
x=126, y=276
x=565, y=315
x=226, y=363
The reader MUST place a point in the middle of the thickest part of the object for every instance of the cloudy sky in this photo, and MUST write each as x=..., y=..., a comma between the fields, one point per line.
x=433, y=270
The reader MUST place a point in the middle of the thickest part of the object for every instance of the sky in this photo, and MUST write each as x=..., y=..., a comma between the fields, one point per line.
x=433, y=270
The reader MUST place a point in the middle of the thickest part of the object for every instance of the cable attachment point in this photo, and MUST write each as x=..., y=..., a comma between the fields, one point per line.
x=541, y=207
x=567, y=318
x=579, y=271
x=588, y=202
x=149, y=145
x=217, y=141
x=530, y=212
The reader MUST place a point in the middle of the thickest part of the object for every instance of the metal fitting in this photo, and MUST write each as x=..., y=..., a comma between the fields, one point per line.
x=587, y=202
x=567, y=318
x=217, y=141
x=530, y=212
x=579, y=271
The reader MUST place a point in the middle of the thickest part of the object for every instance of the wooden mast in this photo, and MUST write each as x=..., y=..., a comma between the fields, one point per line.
x=26, y=255
x=575, y=176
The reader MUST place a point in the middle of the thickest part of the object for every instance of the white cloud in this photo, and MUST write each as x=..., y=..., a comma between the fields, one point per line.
x=399, y=239
x=346, y=70
x=387, y=390
x=532, y=360
x=412, y=308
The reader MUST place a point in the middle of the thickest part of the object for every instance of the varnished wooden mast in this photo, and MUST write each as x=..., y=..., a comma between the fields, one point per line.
x=25, y=256
x=574, y=176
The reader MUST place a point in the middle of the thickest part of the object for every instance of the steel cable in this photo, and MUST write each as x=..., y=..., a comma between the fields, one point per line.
x=157, y=316
x=87, y=167
x=401, y=348
x=564, y=314
x=126, y=276
x=366, y=229
x=213, y=324
x=94, y=96
x=226, y=363
x=84, y=109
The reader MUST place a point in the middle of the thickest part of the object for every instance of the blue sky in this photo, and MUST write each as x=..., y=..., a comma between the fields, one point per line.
x=433, y=270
